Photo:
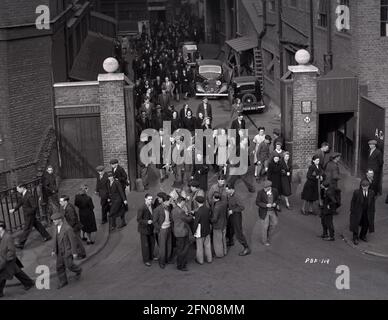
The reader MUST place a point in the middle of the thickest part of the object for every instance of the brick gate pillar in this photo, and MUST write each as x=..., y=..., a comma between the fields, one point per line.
x=304, y=115
x=112, y=112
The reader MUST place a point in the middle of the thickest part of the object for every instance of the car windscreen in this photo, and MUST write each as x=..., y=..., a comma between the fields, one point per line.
x=210, y=69
x=246, y=87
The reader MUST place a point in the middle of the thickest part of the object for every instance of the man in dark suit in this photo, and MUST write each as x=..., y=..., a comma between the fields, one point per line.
x=374, y=184
x=65, y=249
x=117, y=202
x=267, y=201
x=362, y=212
x=102, y=189
x=72, y=220
x=202, y=231
x=146, y=230
x=375, y=162
x=237, y=125
x=10, y=265
x=164, y=99
x=50, y=202
x=29, y=206
x=205, y=108
x=323, y=154
x=119, y=173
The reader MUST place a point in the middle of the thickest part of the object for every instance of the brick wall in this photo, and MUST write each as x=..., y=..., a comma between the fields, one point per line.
x=13, y=12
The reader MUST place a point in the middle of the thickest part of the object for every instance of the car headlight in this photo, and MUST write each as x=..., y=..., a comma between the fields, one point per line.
x=200, y=88
x=224, y=88
x=218, y=82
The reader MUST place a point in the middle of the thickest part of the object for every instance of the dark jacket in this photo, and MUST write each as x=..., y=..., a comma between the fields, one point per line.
x=65, y=244
x=102, y=186
x=262, y=201
x=72, y=218
x=329, y=202
x=235, y=203
x=201, y=109
x=143, y=215
x=28, y=204
x=121, y=176
x=219, y=214
x=376, y=161
x=200, y=174
x=332, y=172
x=181, y=221
x=49, y=184
x=324, y=158
x=202, y=216
x=356, y=210
x=158, y=217
x=286, y=179
x=275, y=174
x=116, y=197
x=9, y=263
x=235, y=125
x=310, y=188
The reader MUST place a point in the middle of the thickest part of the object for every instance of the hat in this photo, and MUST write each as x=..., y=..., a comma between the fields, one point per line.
x=204, y=98
x=221, y=176
x=326, y=184
x=276, y=131
x=200, y=199
x=100, y=168
x=372, y=142
x=278, y=143
x=110, y=174
x=56, y=216
x=334, y=155
x=114, y=161
x=194, y=184
x=267, y=184
x=365, y=183
x=165, y=197
x=240, y=113
x=161, y=194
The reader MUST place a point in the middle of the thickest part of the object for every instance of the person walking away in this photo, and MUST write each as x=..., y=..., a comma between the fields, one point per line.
x=10, y=265
x=181, y=233
x=328, y=209
x=218, y=221
x=102, y=190
x=65, y=250
x=146, y=230
x=235, y=209
x=267, y=201
x=72, y=220
x=311, y=189
x=162, y=223
x=29, y=207
x=202, y=232
x=362, y=212
x=85, y=206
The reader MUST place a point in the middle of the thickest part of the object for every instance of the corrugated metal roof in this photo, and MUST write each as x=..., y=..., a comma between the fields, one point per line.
x=242, y=43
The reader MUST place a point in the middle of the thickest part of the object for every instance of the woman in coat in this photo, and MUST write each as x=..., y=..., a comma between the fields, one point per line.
x=311, y=188
x=176, y=123
x=274, y=173
x=286, y=178
x=189, y=122
x=85, y=206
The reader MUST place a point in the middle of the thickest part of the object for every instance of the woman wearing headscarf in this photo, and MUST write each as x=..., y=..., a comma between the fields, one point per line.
x=311, y=189
x=85, y=206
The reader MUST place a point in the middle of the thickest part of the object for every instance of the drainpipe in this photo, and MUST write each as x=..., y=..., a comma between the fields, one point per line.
x=312, y=31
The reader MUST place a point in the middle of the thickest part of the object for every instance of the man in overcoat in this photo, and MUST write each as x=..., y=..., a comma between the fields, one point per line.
x=117, y=201
x=10, y=265
x=375, y=162
x=362, y=212
x=102, y=189
x=146, y=230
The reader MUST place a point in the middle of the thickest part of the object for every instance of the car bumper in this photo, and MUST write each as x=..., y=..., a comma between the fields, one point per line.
x=254, y=108
x=208, y=94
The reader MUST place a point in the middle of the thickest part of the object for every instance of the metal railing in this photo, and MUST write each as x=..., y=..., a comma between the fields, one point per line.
x=9, y=199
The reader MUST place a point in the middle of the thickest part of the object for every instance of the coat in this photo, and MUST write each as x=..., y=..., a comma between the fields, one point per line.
x=201, y=109
x=200, y=174
x=235, y=203
x=102, y=186
x=121, y=176
x=85, y=206
x=65, y=243
x=143, y=215
x=375, y=162
x=262, y=153
x=72, y=219
x=116, y=197
x=286, y=179
x=329, y=202
x=202, y=216
x=158, y=217
x=275, y=175
x=49, y=184
x=219, y=214
x=356, y=210
x=262, y=201
x=324, y=158
x=181, y=222
x=27, y=203
x=332, y=172
x=9, y=263
x=215, y=188
x=164, y=100
x=310, y=188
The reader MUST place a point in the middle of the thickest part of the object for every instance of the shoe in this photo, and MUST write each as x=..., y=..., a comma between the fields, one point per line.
x=363, y=239
x=88, y=242
x=288, y=207
x=329, y=239
x=78, y=274
x=148, y=264
x=84, y=239
x=183, y=269
x=81, y=257
x=156, y=259
x=280, y=209
x=303, y=212
x=323, y=236
x=196, y=261
x=267, y=244
x=29, y=287
x=162, y=265
x=355, y=241
x=111, y=229
x=47, y=239
x=245, y=252
x=61, y=285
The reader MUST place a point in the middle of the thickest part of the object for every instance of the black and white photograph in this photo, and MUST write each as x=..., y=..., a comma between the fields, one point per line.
x=207, y=151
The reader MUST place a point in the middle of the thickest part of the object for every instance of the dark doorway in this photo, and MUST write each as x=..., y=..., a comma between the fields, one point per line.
x=81, y=146
x=338, y=129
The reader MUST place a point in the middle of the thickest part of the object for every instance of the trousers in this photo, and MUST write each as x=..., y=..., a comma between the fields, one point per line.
x=182, y=249
x=63, y=263
x=236, y=229
x=25, y=280
x=327, y=225
x=165, y=245
x=268, y=225
x=147, y=242
x=204, y=249
x=219, y=242
x=30, y=221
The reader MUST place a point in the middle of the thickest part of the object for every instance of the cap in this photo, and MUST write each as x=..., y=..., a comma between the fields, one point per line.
x=334, y=155
x=221, y=176
x=326, y=184
x=200, y=199
x=278, y=143
x=276, y=131
x=56, y=216
x=372, y=142
x=110, y=174
x=165, y=197
x=240, y=113
x=114, y=161
x=267, y=184
x=365, y=183
x=204, y=98
x=100, y=168
x=194, y=184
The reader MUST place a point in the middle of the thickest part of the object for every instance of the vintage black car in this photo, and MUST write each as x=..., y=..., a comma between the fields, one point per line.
x=248, y=89
x=210, y=79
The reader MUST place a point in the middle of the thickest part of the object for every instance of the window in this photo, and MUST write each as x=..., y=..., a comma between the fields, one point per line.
x=384, y=18
x=294, y=3
x=323, y=10
x=269, y=62
x=342, y=10
x=271, y=5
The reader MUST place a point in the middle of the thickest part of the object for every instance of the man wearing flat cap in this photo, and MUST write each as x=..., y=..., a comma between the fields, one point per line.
x=65, y=249
x=332, y=172
x=119, y=173
x=267, y=201
x=375, y=162
x=362, y=212
x=102, y=190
